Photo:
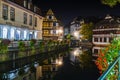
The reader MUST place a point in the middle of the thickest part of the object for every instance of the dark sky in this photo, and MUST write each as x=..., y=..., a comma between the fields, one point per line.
x=66, y=10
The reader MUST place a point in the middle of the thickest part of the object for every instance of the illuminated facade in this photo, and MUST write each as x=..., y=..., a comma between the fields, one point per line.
x=51, y=27
x=20, y=20
x=75, y=27
x=104, y=32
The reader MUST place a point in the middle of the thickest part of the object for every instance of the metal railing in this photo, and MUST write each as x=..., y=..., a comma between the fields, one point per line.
x=112, y=72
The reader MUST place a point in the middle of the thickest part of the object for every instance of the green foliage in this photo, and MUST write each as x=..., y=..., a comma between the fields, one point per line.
x=21, y=71
x=86, y=31
x=4, y=45
x=107, y=57
x=110, y=3
x=21, y=46
x=68, y=36
x=32, y=42
x=41, y=46
x=32, y=69
x=32, y=45
x=86, y=59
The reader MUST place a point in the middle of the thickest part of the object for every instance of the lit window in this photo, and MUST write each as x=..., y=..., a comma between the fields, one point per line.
x=18, y=35
x=5, y=12
x=12, y=33
x=51, y=24
x=56, y=24
x=35, y=35
x=12, y=14
x=4, y=32
x=25, y=34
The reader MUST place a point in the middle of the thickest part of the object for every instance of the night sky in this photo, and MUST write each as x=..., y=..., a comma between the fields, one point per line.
x=66, y=10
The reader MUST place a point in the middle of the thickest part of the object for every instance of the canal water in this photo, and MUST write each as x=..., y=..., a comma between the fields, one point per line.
x=76, y=64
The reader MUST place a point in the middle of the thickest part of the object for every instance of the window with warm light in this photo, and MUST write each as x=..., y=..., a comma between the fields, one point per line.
x=51, y=24
x=46, y=32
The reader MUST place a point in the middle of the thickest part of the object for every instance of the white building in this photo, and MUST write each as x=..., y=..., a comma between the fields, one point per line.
x=19, y=22
x=75, y=27
x=104, y=32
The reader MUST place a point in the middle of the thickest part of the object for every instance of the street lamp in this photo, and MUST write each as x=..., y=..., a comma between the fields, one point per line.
x=76, y=34
x=59, y=62
x=60, y=32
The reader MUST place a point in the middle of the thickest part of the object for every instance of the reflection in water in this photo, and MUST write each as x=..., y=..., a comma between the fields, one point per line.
x=38, y=68
x=47, y=69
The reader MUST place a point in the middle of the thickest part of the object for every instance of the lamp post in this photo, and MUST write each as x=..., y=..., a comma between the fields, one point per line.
x=60, y=33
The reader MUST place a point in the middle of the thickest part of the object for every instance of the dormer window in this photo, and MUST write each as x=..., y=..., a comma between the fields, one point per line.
x=50, y=17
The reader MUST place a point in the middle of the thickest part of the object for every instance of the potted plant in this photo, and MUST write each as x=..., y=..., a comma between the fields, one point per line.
x=21, y=47
x=32, y=45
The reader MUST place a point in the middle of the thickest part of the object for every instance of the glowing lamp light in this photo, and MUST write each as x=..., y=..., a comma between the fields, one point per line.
x=76, y=53
x=60, y=31
x=60, y=62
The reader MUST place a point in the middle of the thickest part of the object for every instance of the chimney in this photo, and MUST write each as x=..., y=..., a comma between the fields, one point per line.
x=35, y=8
x=25, y=3
x=29, y=4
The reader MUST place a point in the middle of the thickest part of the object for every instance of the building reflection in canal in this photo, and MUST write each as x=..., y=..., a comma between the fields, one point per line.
x=48, y=68
x=34, y=70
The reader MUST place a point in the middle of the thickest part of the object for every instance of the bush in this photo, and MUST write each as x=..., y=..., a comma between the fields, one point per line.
x=4, y=45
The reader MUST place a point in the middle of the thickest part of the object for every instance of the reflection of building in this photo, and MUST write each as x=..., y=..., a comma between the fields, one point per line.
x=50, y=26
x=20, y=20
x=104, y=32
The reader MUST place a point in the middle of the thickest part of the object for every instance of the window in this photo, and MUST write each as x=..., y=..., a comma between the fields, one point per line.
x=95, y=50
x=54, y=24
x=25, y=34
x=30, y=22
x=45, y=32
x=25, y=18
x=12, y=14
x=105, y=39
x=50, y=17
x=100, y=39
x=12, y=33
x=95, y=39
x=35, y=22
x=51, y=24
x=4, y=32
x=5, y=12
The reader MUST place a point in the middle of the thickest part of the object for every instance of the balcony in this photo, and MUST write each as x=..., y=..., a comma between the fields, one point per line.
x=50, y=35
x=47, y=27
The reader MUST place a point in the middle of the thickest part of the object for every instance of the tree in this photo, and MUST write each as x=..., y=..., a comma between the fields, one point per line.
x=86, y=31
x=111, y=3
x=86, y=59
